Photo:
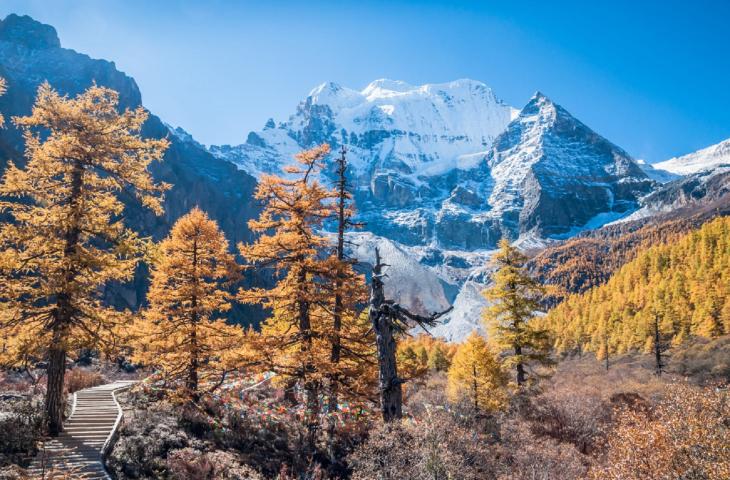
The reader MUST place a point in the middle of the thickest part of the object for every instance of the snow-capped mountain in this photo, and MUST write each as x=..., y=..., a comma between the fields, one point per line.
x=442, y=172
x=390, y=127
x=451, y=165
x=691, y=191
x=704, y=159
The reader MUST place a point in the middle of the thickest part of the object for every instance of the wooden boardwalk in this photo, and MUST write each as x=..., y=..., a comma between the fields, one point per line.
x=87, y=434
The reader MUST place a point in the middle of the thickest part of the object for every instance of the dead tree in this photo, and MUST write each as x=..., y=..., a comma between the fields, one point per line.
x=388, y=320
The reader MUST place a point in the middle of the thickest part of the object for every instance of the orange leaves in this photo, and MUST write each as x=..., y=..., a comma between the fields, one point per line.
x=686, y=436
x=66, y=239
x=182, y=330
x=296, y=340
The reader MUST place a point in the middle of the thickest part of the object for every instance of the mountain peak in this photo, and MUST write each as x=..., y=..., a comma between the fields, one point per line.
x=704, y=159
x=26, y=31
x=385, y=86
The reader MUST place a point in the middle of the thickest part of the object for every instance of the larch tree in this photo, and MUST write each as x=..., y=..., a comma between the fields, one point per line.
x=515, y=299
x=66, y=238
x=476, y=376
x=292, y=343
x=182, y=332
x=350, y=350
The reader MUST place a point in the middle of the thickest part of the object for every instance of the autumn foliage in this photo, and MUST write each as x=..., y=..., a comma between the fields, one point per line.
x=476, y=376
x=685, y=436
x=67, y=238
x=515, y=298
x=182, y=332
x=686, y=284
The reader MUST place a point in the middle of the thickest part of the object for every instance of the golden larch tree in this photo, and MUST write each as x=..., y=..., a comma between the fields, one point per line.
x=476, y=376
x=182, y=332
x=685, y=282
x=292, y=342
x=66, y=238
x=515, y=299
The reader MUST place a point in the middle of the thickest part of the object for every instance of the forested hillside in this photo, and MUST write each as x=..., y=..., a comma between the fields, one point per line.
x=684, y=285
x=589, y=260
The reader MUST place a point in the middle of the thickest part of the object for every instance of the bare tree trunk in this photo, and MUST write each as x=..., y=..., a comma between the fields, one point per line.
x=391, y=395
x=659, y=366
x=476, y=388
x=311, y=387
x=340, y=252
x=192, y=382
x=521, y=374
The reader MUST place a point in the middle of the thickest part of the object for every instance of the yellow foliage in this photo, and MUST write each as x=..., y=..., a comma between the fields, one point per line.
x=295, y=341
x=423, y=353
x=67, y=239
x=686, y=283
x=181, y=332
x=476, y=376
x=515, y=298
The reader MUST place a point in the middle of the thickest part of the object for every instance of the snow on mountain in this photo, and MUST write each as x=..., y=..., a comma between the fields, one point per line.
x=691, y=191
x=656, y=174
x=389, y=125
x=469, y=304
x=407, y=282
x=551, y=175
x=704, y=159
x=442, y=172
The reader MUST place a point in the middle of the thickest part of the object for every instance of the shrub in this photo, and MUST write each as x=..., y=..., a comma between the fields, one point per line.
x=685, y=436
x=524, y=455
x=434, y=448
x=81, y=378
x=21, y=425
x=576, y=416
x=703, y=360
x=191, y=464
x=145, y=440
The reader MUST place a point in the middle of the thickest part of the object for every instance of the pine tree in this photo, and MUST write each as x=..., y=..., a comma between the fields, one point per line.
x=292, y=342
x=67, y=238
x=182, y=332
x=515, y=296
x=476, y=376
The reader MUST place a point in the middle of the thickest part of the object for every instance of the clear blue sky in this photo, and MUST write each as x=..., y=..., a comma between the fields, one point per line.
x=652, y=76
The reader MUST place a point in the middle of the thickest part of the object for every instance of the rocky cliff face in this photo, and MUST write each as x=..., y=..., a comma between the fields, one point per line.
x=31, y=53
x=553, y=175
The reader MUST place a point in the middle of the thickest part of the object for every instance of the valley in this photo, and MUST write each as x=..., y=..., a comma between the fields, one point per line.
x=403, y=281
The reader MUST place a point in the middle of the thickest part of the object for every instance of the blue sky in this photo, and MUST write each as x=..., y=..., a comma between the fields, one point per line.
x=652, y=76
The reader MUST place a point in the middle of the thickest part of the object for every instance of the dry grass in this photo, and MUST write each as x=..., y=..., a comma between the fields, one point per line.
x=81, y=378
